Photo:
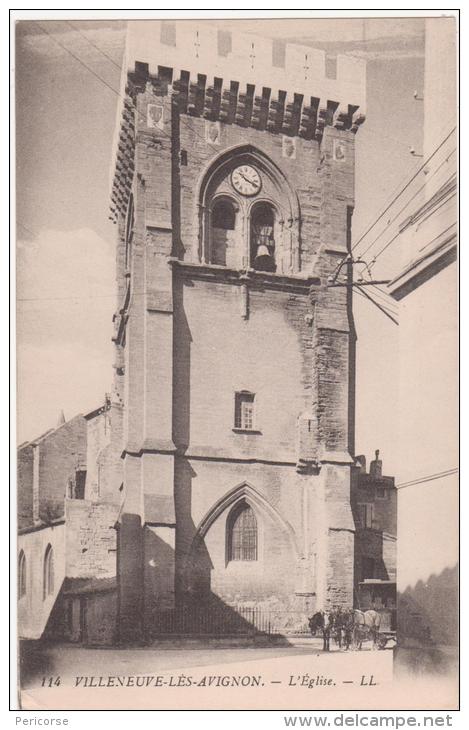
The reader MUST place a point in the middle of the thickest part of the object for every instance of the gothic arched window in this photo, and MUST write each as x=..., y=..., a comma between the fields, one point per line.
x=21, y=574
x=262, y=242
x=242, y=533
x=223, y=225
x=48, y=573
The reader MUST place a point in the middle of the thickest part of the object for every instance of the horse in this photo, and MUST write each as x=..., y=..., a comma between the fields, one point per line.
x=321, y=621
x=366, y=626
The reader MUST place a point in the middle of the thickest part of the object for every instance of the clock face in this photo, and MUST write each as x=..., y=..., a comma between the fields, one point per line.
x=246, y=180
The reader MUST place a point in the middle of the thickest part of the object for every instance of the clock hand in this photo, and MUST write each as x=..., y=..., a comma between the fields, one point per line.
x=247, y=179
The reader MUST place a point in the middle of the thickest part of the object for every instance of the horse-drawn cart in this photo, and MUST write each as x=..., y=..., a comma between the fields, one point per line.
x=386, y=638
x=380, y=596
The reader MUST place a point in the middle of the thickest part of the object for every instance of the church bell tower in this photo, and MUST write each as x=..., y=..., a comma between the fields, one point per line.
x=235, y=346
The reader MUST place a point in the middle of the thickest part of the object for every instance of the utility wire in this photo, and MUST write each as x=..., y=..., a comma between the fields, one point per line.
x=430, y=478
x=379, y=293
x=367, y=267
x=386, y=299
x=360, y=293
x=381, y=251
x=97, y=76
x=396, y=197
x=80, y=61
x=442, y=130
x=115, y=90
x=399, y=233
x=390, y=311
x=94, y=45
x=377, y=304
x=422, y=187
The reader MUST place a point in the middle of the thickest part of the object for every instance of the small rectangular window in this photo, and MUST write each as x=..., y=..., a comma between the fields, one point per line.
x=244, y=411
x=381, y=493
x=80, y=482
x=365, y=512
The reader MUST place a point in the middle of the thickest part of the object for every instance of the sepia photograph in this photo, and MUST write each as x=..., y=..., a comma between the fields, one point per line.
x=237, y=361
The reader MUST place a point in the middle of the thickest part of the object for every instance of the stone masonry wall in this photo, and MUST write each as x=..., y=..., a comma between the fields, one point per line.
x=91, y=539
x=191, y=344
x=25, y=486
x=60, y=454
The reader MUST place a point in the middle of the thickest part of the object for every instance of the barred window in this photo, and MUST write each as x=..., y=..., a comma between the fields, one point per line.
x=242, y=534
x=21, y=574
x=244, y=411
x=48, y=577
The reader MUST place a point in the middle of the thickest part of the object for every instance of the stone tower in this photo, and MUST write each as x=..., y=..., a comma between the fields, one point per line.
x=233, y=194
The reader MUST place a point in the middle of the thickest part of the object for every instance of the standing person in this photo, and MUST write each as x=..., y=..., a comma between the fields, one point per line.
x=347, y=623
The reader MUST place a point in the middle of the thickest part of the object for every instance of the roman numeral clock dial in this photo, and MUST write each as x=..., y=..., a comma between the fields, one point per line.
x=246, y=180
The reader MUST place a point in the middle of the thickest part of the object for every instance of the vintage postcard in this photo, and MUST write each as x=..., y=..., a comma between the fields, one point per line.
x=237, y=338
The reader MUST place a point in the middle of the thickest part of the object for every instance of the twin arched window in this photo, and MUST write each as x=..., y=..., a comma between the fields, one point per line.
x=242, y=533
x=21, y=574
x=227, y=240
x=48, y=572
x=47, y=577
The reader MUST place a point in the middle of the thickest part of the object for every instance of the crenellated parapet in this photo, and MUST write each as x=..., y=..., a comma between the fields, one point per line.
x=242, y=83
x=250, y=59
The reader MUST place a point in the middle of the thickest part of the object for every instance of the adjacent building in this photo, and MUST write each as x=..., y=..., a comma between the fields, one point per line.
x=374, y=502
x=426, y=288
x=68, y=502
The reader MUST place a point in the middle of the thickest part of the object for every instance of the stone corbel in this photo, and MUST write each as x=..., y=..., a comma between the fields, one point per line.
x=341, y=118
x=357, y=120
x=321, y=121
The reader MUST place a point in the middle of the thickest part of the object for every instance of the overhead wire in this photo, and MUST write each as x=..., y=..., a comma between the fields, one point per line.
x=387, y=301
x=80, y=61
x=403, y=189
x=420, y=189
x=117, y=93
x=94, y=45
x=429, y=478
x=382, y=250
x=381, y=307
